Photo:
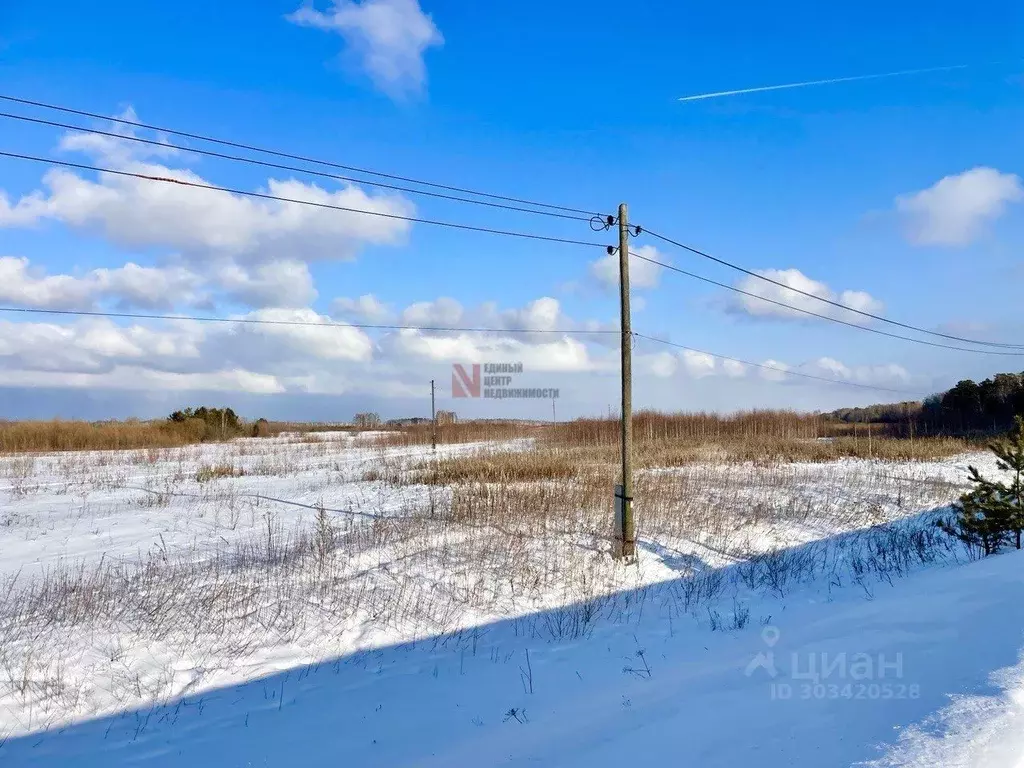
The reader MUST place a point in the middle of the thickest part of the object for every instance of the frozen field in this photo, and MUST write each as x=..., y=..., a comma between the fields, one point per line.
x=231, y=604
x=80, y=506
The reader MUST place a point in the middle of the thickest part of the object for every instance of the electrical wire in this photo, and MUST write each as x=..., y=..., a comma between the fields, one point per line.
x=782, y=371
x=265, y=196
x=293, y=168
x=783, y=304
x=837, y=304
x=291, y=156
x=300, y=323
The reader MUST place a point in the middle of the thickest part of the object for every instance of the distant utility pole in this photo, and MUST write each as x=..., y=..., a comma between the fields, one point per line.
x=433, y=419
x=554, y=418
x=624, y=492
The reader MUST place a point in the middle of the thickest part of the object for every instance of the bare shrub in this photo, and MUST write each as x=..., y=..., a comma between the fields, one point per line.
x=209, y=472
x=324, y=538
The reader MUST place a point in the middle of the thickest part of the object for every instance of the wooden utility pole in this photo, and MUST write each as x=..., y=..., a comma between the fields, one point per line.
x=433, y=419
x=627, y=528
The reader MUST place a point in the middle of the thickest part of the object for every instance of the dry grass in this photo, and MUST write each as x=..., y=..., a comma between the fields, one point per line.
x=776, y=450
x=548, y=460
x=665, y=439
x=482, y=549
x=60, y=435
x=647, y=425
x=670, y=440
x=209, y=472
x=461, y=432
x=680, y=438
x=522, y=529
x=57, y=435
x=654, y=426
x=502, y=467
x=490, y=534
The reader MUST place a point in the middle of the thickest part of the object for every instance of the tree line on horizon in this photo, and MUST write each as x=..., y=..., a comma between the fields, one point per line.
x=989, y=406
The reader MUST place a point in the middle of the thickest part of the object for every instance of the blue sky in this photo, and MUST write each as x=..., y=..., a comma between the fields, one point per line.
x=574, y=104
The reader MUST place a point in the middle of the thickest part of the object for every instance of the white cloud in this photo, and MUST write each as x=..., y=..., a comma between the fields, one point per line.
x=442, y=313
x=955, y=210
x=25, y=212
x=249, y=251
x=543, y=314
x=537, y=351
x=642, y=274
x=890, y=374
x=388, y=39
x=773, y=370
x=563, y=354
x=94, y=345
x=120, y=151
x=832, y=367
x=327, y=358
x=134, y=378
x=698, y=364
x=367, y=308
x=184, y=348
x=662, y=364
x=138, y=213
x=537, y=321
x=148, y=287
x=283, y=283
x=734, y=369
x=18, y=286
x=794, y=278
x=325, y=340
x=219, y=246
x=200, y=223
x=130, y=285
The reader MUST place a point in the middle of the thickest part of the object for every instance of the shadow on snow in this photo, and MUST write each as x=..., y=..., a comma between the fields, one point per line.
x=637, y=674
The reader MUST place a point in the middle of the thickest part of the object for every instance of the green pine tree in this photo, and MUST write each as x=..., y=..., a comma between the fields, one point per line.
x=1010, y=455
x=992, y=514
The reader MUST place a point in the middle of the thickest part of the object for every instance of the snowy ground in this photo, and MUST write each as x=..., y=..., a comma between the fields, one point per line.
x=428, y=641
x=83, y=506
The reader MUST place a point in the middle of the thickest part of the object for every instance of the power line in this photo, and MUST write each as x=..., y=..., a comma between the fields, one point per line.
x=300, y=323
x=785, y=372
x=291, y=156
x=265, y=196
x=816, y=314
x=438, y=195
x=293, y=168
x=809, y=295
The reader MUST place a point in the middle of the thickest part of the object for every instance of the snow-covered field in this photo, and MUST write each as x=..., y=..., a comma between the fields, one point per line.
x=86, y=505
x=289, y=601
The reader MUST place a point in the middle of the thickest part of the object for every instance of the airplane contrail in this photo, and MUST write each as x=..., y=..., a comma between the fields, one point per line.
x=830, y=81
